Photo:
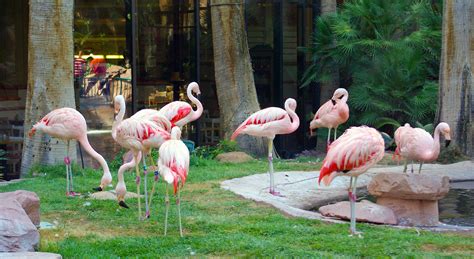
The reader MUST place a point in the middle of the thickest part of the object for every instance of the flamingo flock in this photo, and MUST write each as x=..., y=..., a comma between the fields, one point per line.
x=352, y=154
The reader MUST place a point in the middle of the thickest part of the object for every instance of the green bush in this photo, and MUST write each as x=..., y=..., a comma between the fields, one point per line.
x=387, y=54
x=210, y=152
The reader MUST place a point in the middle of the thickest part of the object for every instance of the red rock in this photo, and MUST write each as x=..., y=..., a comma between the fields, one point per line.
x=17, y=232
x=413, y=212
x=365, y=211
x=28, y=200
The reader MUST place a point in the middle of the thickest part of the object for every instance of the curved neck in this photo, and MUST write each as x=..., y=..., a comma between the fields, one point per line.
x=127, y=166
x=436, y=145
x=88, y=148
x=118, y=119
x=295, y=120
x=196, y=113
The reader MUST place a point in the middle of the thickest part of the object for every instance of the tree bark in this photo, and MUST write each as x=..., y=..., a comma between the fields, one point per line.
x=235, y=85
x=327, y=88
x=50, y=77
x=455, y=103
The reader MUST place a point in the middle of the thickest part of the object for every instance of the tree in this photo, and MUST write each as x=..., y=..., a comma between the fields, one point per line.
x=50, y=76
x=235, y=85
x=389, y=52
x=456, y=92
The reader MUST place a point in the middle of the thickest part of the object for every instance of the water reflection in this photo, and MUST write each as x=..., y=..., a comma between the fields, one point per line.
x=457, y=208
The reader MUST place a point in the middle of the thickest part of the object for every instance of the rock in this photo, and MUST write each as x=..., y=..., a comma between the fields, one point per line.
x=110, y=195
x=409, y=186
x=366, y=211
x=17, y=232
x=35, y=255
x=28, y=200
x=412, y=197
x=234, y=157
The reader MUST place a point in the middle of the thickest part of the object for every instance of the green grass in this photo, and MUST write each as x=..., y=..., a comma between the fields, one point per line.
x=216, y=222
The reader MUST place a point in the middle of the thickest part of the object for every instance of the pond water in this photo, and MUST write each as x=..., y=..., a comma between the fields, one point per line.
x=457, y=208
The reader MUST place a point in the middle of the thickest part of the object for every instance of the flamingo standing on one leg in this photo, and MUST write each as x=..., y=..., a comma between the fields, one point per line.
x=332, y=113
x=268, y=123
x=67, y=124
x=180, y=113
x=145, y=114
x=417, y=144
x=174, y=166
x=352, y=154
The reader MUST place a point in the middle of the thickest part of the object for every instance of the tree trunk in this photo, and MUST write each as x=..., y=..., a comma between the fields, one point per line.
x=327, y=88
x=50, y=77
x=235, y=85
x=456, y=89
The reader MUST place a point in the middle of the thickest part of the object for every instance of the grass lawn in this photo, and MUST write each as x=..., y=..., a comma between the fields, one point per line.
x=216, y=222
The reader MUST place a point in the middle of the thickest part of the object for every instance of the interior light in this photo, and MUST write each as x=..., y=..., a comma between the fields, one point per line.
x=114, y=56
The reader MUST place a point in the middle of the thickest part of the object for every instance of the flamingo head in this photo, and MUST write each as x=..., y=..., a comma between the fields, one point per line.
x=195, y=88
x=121, y=197
x=446, y=131
x=119, y=102
x=290, y=103
x=175, y=133
x=339, y=94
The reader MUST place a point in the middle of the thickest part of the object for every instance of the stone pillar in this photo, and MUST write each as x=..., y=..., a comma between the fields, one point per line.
x=412, y=197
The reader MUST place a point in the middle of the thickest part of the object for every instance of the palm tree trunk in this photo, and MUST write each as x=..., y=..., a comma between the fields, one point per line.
x=50, y=77
x=456, y=91
x=235, y=85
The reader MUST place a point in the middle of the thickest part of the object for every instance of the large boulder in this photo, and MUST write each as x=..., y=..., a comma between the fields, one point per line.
x=365, y=211
x=17, y=232
x=29, y=202
x=32, y=255
x=234, y=157
x=412, y=197
x=409, y=186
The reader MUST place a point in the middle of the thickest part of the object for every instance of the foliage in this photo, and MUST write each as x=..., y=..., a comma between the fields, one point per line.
x=210, y=152
x=388, y=53
x=217, y=223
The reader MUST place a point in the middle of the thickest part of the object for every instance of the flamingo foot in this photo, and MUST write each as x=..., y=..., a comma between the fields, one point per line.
x=355, y=233
x=275, y=193
x=72, y=194
x=147, y=214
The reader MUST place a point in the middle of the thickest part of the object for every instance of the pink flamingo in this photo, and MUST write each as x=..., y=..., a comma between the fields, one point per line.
x=352, y=154
x=173, y=163
x=180, y=113
x=139, y=135
x=332, y=113
x=417, y=144
x=68, y=124
x=268, y=123
x=154, y=142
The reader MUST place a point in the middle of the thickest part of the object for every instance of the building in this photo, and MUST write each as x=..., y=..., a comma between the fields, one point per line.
x=151, y=56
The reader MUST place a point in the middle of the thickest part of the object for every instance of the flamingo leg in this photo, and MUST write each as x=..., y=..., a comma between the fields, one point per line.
x=66, y=162
x=270, y=166
x=353, y=198
x=145, y=172
x=421, y=164
x=167, y=202
x=137, y=172
x=329, y=140
x=178, y=202
x=412, y=166
x=335, y=133
x=406, y=166
x=156, y=178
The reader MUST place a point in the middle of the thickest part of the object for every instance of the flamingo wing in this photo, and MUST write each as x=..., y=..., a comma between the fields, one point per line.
x=326, y=108
x=174, y=162
x=176, y=111
x=261, y=118
x=356, y=150
x=153, y=115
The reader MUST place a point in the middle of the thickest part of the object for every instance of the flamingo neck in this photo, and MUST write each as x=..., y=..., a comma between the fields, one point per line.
x=436, y=145
x=118, y=119
x=345, y=98
x=295, y=120
x=196, y=113
x=88, y=148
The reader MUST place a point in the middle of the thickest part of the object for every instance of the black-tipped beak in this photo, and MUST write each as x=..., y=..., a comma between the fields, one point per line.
x=115, y=115
x=333, y=102
x=99, y=189
x=122, y=204
x=447, y=142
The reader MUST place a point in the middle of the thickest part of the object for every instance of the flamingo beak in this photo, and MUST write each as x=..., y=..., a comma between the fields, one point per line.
x=333, y=101
x=447, y=142
x=123, y=204
x=99, y=189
